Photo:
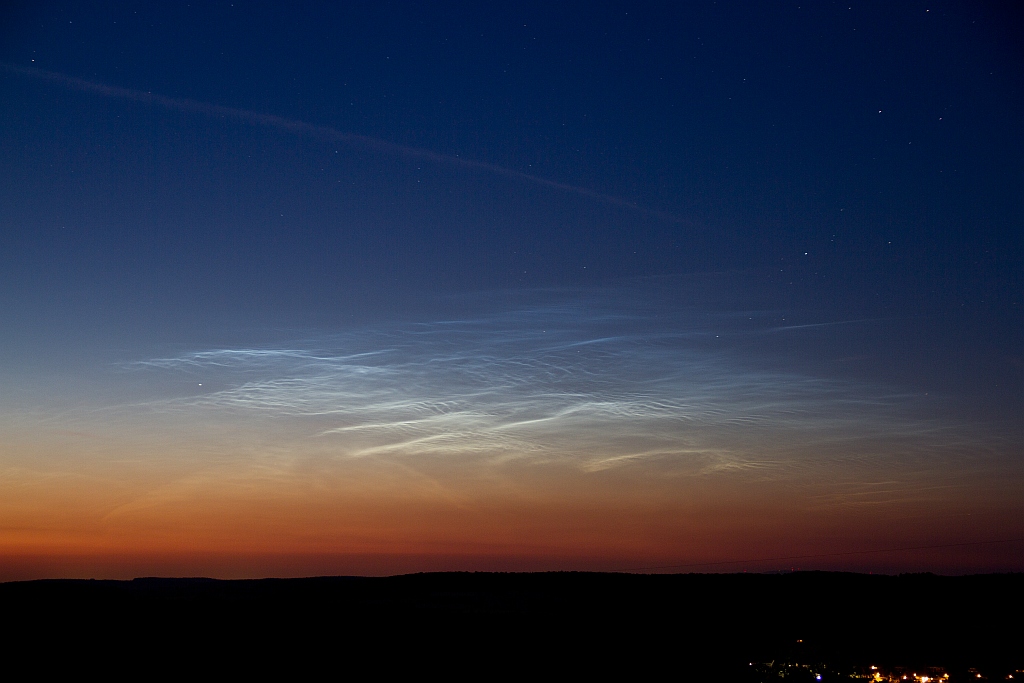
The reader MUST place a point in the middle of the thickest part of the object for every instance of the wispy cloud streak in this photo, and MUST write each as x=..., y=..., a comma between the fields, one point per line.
x=325, y=133
x=549, y=383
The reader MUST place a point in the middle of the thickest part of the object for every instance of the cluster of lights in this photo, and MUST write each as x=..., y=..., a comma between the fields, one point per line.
x=918, y=678
x=877, y=675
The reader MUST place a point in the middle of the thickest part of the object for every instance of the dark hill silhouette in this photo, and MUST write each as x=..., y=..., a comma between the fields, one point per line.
x=700, y=626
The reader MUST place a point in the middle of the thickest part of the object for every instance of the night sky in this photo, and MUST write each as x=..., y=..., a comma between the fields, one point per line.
x=335, y=288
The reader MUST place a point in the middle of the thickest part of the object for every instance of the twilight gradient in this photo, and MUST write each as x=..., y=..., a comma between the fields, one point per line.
x=332, y=288
x=600, y=429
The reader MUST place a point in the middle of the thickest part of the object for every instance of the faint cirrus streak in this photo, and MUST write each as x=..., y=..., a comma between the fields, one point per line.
x=328, y=133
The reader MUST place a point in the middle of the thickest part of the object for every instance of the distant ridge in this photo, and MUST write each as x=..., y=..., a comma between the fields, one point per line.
x=702, y=622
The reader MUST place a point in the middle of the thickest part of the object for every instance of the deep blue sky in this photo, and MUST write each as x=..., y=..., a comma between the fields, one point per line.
x=735, y=168
x=870, y=155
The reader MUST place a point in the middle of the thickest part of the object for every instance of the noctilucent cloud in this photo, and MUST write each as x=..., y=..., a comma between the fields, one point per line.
x=325, y=290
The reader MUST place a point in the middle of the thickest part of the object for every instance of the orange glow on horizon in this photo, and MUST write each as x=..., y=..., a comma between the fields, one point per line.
x=386, y=517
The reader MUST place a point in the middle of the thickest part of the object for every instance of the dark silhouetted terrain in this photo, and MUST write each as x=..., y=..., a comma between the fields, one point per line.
x=696, y=627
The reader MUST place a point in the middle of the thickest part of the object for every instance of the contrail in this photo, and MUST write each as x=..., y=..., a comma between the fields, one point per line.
x=830, y=324
x=312, y=129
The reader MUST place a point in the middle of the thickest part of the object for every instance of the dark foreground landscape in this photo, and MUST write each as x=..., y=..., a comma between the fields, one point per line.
x=739, y=627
